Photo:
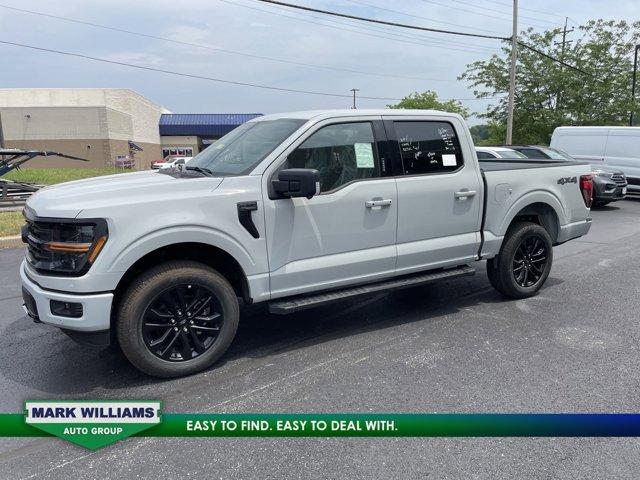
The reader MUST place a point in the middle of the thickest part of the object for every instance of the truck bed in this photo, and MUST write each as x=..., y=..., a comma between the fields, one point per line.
x=497, y=165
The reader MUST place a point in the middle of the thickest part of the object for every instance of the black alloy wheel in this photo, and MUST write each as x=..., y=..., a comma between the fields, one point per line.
x=524, y=261
x=182, y=322
x=530, y=261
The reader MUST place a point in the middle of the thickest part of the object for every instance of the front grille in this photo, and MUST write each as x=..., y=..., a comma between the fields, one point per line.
x=619, y=178
x=38, y=233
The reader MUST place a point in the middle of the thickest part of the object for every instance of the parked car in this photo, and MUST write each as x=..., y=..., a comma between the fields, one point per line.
x=174, y=162
x=156, y=165
x=611, y=148
x=488, y=153
x=169, y=161
x=609, y=185
x=296, y=210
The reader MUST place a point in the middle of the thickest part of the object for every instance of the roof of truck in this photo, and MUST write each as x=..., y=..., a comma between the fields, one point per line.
x=317, y=114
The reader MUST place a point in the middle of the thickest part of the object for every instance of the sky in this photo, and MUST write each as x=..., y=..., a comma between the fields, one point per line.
x=338, y=54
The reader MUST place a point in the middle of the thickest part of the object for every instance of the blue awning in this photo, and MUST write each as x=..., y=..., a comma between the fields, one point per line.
x=202, y=124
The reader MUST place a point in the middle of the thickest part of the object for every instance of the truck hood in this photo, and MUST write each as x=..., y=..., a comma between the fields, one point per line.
x=67, y=200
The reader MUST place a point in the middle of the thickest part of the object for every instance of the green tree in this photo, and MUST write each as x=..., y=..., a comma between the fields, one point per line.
x=479, y=133
x=595, y=92
x=429, y=101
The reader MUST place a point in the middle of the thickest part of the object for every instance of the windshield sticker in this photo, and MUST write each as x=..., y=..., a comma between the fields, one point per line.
x=364, y=155
x=448, y=160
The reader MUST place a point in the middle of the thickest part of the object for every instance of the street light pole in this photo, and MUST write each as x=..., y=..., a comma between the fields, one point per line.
x=354, y=90
x=633, y=85
x=512, y=74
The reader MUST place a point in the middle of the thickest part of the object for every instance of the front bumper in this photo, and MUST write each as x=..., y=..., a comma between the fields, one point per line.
x=608, y=190
x=96, y=307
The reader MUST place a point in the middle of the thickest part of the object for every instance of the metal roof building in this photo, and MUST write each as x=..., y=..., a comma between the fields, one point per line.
x=202, y=124
x=189, y=133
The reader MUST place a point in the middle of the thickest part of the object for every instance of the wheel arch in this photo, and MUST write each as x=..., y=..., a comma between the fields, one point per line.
x=541, y=213
x=204, y=253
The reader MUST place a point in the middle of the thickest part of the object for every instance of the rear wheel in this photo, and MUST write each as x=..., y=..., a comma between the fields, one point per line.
x=524, y=261
x=177, y=319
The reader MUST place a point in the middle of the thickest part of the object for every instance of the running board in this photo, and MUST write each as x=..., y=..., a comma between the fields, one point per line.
x=302, y=302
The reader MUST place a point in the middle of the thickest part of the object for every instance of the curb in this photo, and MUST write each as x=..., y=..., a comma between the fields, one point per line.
x=11, y=242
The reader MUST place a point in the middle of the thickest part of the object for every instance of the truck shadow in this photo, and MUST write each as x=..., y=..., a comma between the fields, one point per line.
x=605, y=208
x=47, y=362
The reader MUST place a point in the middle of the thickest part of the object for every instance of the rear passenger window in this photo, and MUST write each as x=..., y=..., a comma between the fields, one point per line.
x=428, y=147
x=342, y=153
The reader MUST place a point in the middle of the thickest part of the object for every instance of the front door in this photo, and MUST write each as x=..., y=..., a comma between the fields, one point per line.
x=439, y=193
x=346, y=234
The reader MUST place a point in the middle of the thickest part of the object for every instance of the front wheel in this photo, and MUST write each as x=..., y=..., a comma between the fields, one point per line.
x=524, y=261
x=177, y=319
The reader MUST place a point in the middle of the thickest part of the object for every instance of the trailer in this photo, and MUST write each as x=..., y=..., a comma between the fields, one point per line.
x=16, y=193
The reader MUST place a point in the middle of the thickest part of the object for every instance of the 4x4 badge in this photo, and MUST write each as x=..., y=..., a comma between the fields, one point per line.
x=563, y=180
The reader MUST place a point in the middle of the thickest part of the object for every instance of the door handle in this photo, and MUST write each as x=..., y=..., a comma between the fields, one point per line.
x=377, y=203
x=464, y=193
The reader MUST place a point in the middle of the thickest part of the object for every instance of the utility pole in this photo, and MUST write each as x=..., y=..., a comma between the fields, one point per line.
x=633, y=85
x=564, y=39
x=354, y=90
x=562, y=49
x=512, y=74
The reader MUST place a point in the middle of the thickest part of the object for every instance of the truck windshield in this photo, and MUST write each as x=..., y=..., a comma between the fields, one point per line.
x=239, y=151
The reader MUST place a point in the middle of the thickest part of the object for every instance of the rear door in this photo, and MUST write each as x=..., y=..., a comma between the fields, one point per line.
x=439, y=193
x=347, y=233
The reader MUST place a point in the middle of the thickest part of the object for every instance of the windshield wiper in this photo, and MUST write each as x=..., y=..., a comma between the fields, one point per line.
x=202, y=170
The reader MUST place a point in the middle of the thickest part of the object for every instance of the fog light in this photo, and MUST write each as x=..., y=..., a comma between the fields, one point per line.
x=66, y=309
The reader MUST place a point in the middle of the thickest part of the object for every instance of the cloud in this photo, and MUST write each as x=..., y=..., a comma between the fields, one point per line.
x=262, y=30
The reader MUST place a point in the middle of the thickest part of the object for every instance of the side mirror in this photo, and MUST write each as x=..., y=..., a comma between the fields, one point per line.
x=297, y=182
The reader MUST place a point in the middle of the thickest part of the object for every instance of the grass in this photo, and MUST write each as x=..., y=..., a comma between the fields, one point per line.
x=10, y=223
x=50, y=176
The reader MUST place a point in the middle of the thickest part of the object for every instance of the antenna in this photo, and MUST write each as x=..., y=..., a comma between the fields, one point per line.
x=354, y=90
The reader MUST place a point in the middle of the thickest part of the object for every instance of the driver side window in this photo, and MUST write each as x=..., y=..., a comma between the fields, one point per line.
x=342, y=153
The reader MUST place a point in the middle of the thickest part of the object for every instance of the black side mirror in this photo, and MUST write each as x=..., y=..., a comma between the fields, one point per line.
x=297, y=182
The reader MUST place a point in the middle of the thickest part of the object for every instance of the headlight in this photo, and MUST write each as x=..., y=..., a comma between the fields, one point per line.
x=64, y=246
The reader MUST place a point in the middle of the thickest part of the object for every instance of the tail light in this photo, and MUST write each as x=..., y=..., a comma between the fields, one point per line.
x=586, y=187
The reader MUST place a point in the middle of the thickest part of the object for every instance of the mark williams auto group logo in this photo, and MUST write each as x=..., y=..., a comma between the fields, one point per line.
x=92, y=424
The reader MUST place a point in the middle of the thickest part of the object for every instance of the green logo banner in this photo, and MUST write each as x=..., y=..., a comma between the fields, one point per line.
x=92, y=424
x=96, y=424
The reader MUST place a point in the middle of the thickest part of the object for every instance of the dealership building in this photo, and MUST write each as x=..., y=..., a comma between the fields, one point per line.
x=106, y=126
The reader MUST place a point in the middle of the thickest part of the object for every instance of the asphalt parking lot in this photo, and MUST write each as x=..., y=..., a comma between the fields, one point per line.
x=451, y=347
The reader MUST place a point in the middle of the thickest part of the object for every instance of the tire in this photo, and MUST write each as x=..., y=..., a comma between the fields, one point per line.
x=524, y=261
x=190, y=305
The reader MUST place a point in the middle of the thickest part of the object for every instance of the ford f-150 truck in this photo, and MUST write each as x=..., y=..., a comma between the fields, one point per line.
x=296, y=210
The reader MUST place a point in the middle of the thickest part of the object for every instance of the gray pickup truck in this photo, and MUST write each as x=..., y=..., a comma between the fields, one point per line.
x=297, y=210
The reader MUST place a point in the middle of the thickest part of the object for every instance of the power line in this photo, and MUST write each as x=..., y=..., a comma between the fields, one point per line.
x=415, y=27
x=203, y=77
x=189, y=75
x=383, y=22
x=483, y=14
x=540, y=52
x=527, y=9
x=416, y=16
x=442, y=43
x=503, y=13
x=217, y=49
